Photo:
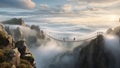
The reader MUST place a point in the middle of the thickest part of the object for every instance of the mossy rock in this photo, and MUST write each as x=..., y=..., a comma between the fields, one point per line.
x=3, y=34
x=9, y=54
x=1, y=56
x=24, y=64
x=5, y=65
x=3, y=39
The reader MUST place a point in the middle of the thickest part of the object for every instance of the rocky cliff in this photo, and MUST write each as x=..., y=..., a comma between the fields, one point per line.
x=14, y=54
x=97, y=54
x=94, y=55
x=33, y=35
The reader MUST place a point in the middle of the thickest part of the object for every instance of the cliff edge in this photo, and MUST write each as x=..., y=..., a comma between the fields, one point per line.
x=14, y=54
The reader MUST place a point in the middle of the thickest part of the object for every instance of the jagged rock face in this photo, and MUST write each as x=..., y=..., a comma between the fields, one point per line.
x=40, y=33
x=94, y=55
x=21, y=47
x=25, y=54
x=9, y=54
x=5, y=39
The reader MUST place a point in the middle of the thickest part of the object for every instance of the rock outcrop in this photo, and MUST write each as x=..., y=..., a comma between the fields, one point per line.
x=94, y=55
x=14, y=55
x=40, y=33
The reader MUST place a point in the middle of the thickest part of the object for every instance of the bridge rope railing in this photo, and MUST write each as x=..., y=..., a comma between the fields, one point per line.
x=64, y=39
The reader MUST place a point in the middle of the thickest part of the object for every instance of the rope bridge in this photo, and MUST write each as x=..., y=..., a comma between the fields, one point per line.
x=64, y=39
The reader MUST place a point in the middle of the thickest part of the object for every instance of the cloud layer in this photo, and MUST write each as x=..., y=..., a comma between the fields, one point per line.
x=24, y=4
x=64, y=10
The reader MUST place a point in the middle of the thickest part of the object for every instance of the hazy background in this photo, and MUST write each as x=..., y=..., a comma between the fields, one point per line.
x=70, y=16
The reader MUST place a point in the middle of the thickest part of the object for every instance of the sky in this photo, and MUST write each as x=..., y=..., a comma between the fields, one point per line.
x=59, y=11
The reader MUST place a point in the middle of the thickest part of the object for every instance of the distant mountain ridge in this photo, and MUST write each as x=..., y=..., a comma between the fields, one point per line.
x=14, y=21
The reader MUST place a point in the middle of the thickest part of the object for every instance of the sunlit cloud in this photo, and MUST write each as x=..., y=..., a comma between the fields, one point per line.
x=24, y=4
x=67, y=8
x=69, y=11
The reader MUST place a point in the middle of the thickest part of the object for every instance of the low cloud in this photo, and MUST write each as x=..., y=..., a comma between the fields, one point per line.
x=24, y=4
x=67, y=8
x=44, y=6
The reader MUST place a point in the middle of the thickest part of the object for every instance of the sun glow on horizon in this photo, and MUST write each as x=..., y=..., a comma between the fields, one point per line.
x=113, y=18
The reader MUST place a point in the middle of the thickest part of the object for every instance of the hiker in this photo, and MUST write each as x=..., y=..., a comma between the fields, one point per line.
x=74, y=39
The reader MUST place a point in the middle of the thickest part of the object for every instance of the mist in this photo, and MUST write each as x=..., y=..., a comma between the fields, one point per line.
x=46, y=53
x=54, y=53
x=112, y=44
